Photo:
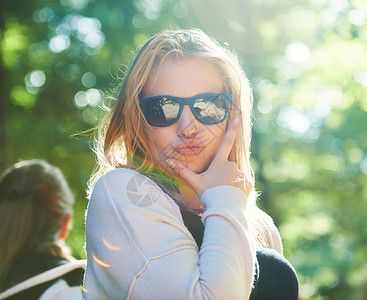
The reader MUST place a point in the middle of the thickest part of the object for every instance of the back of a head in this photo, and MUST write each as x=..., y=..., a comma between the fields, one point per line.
x=34, y=199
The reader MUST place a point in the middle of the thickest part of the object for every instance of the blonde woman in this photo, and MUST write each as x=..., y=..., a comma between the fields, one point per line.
x=35, y=213
x=174, y=150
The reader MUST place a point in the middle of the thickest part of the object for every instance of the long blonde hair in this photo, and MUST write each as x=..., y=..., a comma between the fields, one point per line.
x=34, y=199
x=122, y=137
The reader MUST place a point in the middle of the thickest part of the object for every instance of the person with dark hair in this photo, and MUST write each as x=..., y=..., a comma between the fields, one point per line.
x=36, y=207
x=172, y=212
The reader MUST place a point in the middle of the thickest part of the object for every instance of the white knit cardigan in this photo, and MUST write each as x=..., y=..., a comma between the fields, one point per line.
x=139, y=248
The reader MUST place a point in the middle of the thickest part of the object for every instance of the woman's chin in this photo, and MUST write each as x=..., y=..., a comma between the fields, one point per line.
x=194, y=166
x=197, y=168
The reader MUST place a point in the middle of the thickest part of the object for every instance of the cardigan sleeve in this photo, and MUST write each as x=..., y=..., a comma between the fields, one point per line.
x=138, y=247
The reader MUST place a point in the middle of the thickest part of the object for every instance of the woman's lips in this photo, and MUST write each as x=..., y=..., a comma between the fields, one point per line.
x=189, y=151
x=189, y=147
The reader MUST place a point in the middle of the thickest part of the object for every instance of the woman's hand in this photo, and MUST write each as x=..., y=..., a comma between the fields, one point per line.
x=220, y=172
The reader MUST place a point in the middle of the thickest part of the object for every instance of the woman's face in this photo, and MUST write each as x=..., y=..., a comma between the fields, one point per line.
x=189, y=141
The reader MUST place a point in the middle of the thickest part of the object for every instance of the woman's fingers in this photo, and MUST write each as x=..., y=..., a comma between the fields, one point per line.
x=182, y=171
x=219, y=165
x=228, y=140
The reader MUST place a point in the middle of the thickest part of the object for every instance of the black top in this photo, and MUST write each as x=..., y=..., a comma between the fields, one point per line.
x=275, y=277
x=194, y=225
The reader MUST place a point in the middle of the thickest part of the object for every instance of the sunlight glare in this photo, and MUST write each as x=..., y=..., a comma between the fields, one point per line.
x=109, y=246
x=235, y=26
x=356, y=17
x=298, y=52
x=101, y=263
x=361, y=77
x=294, y=120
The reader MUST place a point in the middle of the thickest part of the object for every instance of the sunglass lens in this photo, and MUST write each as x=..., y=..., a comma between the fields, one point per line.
x=162, y=111
x=210, y=109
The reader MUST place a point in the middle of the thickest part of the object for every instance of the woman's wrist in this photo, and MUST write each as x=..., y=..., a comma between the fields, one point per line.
x=224, y=196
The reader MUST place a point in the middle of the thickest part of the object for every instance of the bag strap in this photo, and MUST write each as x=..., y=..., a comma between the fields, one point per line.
x=60, y=290
x=44, y=277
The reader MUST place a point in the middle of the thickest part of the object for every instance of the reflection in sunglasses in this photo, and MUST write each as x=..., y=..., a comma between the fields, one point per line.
x=170, y=110
x=209, y=110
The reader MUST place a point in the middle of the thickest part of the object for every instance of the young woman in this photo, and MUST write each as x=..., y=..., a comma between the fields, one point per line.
x=174, y=150
x=35, y=213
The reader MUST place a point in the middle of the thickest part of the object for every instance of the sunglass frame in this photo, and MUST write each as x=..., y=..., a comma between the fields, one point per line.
x=190, y=101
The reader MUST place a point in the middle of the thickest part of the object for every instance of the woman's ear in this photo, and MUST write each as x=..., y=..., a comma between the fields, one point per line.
x=65, y=226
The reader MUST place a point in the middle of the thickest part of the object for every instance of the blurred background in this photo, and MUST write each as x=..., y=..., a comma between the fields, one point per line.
x=306, y=60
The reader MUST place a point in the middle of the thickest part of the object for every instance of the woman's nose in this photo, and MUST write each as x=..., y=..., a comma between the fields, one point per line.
x=187, y=124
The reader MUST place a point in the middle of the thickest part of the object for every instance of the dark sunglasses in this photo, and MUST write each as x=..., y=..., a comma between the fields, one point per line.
x=164, y=111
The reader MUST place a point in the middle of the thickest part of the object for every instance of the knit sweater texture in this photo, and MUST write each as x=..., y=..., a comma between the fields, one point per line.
x=139, y=248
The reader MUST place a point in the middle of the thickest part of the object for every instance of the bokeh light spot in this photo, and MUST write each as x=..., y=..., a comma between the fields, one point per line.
x=37, y=78
x=80, y=99
x=355, y=155
x=363, y=166
x=312, y=135
x=360, y=77
x=89, y=115
x=264, y=106
x=298, y=52
x=89, y=80
x=43, y=14
x=59, y=43
x=20, y=96
x=356, y=17
x=294, y=120
x=93, y=97
x=75, y=4
x=94, y=39
x=117, y=17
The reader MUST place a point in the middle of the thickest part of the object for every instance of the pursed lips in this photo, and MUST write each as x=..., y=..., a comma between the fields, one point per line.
x=189, y=147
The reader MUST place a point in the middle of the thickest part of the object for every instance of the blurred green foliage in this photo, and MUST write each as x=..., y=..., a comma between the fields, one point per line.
x=307, y=64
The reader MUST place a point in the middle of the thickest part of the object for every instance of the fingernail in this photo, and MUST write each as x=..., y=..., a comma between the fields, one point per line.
x=237, y=120
x=170, y=163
